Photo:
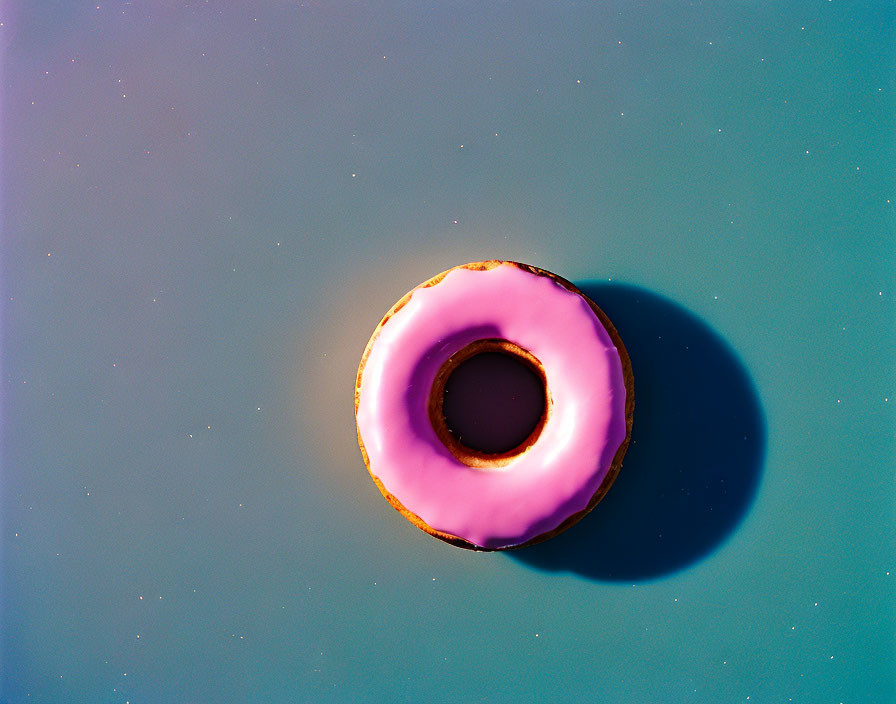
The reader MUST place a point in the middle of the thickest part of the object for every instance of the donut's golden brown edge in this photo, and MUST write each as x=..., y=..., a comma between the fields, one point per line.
x=615, y=465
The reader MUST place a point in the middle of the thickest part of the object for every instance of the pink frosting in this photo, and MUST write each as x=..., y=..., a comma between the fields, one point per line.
x=557, y=476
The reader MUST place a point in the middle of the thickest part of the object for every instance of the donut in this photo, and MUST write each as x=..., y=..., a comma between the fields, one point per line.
x=494, y=500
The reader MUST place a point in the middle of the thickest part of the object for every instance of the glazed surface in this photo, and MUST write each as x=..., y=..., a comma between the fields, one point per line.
x=554, y=478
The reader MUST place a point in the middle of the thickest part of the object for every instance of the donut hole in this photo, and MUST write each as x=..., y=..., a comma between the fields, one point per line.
x=493, y=403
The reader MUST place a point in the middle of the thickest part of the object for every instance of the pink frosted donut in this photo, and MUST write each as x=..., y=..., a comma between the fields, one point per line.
x=469, y=498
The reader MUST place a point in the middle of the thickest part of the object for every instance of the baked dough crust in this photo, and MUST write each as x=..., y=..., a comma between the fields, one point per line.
x=474, y=459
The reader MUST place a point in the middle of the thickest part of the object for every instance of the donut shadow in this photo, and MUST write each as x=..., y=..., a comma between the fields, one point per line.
x=696, y=454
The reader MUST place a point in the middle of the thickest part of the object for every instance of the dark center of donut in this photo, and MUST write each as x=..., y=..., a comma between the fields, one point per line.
x=493, y=402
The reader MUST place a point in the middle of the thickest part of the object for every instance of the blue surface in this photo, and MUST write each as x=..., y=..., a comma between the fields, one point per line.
x=207, y=209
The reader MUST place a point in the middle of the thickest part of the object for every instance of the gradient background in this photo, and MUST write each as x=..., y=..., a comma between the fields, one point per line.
x=208, y=206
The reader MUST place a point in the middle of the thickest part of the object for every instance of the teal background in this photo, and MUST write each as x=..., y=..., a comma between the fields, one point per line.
x=208, y=206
